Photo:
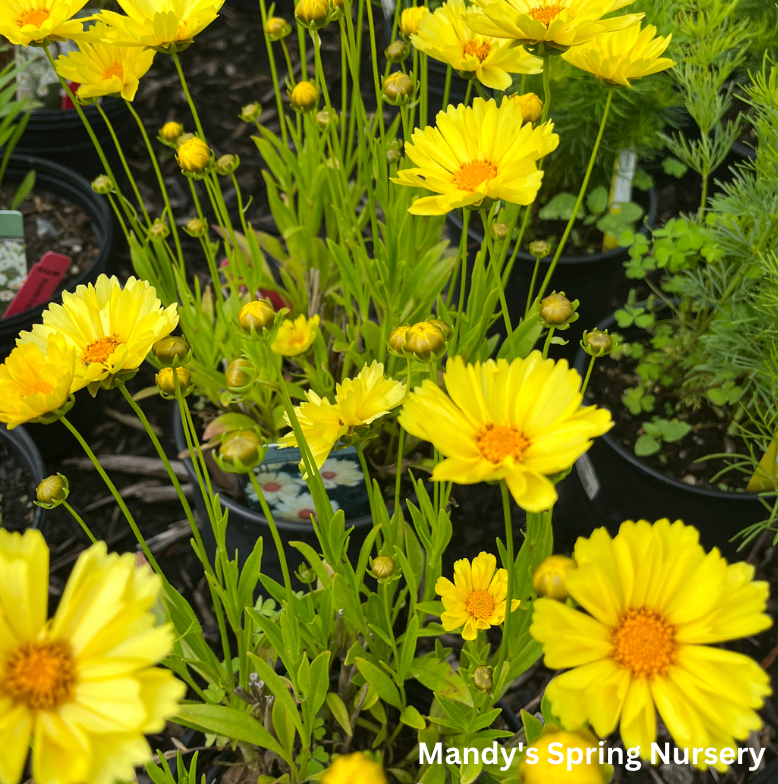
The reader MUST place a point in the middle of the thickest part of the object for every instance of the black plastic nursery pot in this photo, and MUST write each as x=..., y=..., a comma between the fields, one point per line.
x=245, y=526
x=59, y=135
x=24, y=450
x=592, y=279
x=614, y=485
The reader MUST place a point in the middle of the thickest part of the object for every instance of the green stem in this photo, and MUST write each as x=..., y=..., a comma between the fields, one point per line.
x=547, y=344
x=588, y=374
x=496, y=274
x=78, y=519
x=510, y=567
x=185, y=88
x=447, y=88
x=546, y=89
x=532, y=286
x=274, y=73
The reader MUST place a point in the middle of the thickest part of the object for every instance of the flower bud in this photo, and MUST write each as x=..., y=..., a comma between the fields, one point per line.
x=531, y=106
x=556, y=310
x=397, y=51
x=396, y=340
x=159, y=230
x=312, y=13
x=383, y=567
x=442, y=326
x=549, y=578
x=183, y=138
x=500, y=232
x=251, y=111
x=196, y=227
x=539, y=249
x=166, y=381
x=240, y=451
x=393, y=156
x=194, y=155
x=424, y=339
x=277, y=28
x=227, y=164
x=52, y=491
x=305, y=574
x=102, y=185
x=483, y=678
x=171, y=132
x=398, y=88
x=597, y=343
x=172, y=351
x=304, y=97
x=410, y=19
x=325, y=118
x=240, y=376
x=256, y=316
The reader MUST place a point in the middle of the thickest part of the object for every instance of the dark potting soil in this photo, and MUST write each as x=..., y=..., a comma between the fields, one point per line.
x=17, y=491
x=683, y=460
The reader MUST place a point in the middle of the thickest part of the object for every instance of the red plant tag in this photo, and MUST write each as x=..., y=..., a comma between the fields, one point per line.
x=41, y=283
x=66, y=102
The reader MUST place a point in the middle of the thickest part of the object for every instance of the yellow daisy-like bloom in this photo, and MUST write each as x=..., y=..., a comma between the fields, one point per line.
x=359, y=401
x=355, y=768
x=410, y=19
x=476, y=598
x=520, y=421
x=83, y=688
x=474, y=153
x=105, y=69
x=543, y=772
x=654, y=603
x=112, y=328
x=36, y=383
x=623, y=56
x=444, y=36
x=24, y=22
x=296, y=337
x=554, y=24
x=162, y=23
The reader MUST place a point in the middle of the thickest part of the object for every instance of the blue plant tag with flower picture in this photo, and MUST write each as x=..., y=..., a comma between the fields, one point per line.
x=288, y=496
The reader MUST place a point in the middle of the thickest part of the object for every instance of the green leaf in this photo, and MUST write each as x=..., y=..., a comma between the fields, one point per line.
x=646, y=445
x=27, y=184
x=560, y=208
x=533, y=728
x=674, y=168
x=673, y=429
x=413, y=718
x=597, y=200
x=380, y=681
x=339, y=711
x=439, y=677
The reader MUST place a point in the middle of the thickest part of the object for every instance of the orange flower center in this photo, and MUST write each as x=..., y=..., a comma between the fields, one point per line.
x=546, y=13
x=100, y=350
x=480, y=604
x=115, y=69
x=496, y=442
x=472, y=174
x=40, y=675
x=33, y=16
x=37, y=386
x=481, y=51
x=644, y=642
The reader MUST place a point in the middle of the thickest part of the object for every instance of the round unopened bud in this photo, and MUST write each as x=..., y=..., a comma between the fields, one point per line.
x=277, y=28
x=410, y=19
x=393, y=156
x=539, y=249
x=227, y=164
x=325, y=118
x=442, y=326
x=383, y=567
x=483, y=678
x=549, y=578
x=194, y=155
x=52, y=491
x=424, y=339
x=396, y=340
x=172, y=350
x=398, y=88
x=196, y=227
x=166, y=381
x=312, y=13
x=240, y=451
x=171, y=131
x=304, y=97
x=397, y=51
x=240, y=376
x=556, y=310
x=306, y=575
x=102, y=185
x=597, y=343
x=500, y=232
x=256, y=316
x=531, y=106
x=159, y=230
x=250, y=112
x=183, y=138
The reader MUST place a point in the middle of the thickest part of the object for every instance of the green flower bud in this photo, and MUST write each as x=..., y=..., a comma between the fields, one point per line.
x=597, y=343
x=556, y=310
x=196, y=227
x=539, y=249
x=102, y=185
x=396, y=340
x=251, y=111
x=227, y=164
x=483, y=678
x=500, y=232
x=277, y=28
x=240, y=376
x=397, y=51
x=398, y=88
x=256, y=316
x=240, y=451
x=383, y=567
x=166, y=381
x=159, y=230
x=172, y=351
x=52, y=491
x=325, y=118
x=306, y=575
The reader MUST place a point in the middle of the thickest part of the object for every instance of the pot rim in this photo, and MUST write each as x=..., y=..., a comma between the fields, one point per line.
x=580, y=360
x=24, y=447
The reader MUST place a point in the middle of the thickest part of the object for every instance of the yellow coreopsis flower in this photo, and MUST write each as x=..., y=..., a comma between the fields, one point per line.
x=111, y=328
x=35, y=383
x=652, y=603
x=545, y=772
x=24, y=22
x=623, y=56
x=520, y=422
x=83, y=688
x=359, y=401
x=355, y=768
x=160, y=24
x=481, y=152
x=410, y=19
x=296, y=337
x=553, y=25
x=444, y=36
x=476, y=599
x=105, y=69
